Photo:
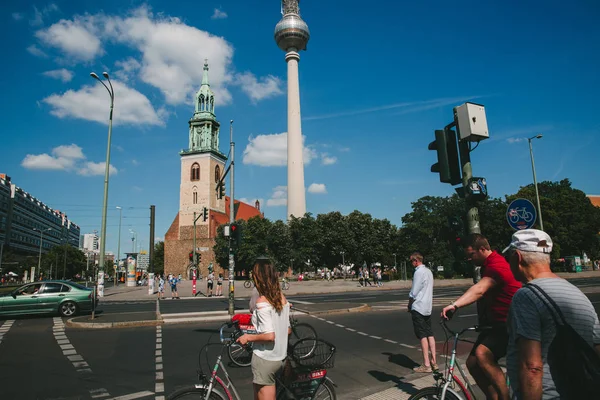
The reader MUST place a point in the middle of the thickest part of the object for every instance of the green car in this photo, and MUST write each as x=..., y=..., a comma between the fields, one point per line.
x=62, y=297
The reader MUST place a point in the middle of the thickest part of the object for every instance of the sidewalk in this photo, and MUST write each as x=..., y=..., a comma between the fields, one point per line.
x=124, y=293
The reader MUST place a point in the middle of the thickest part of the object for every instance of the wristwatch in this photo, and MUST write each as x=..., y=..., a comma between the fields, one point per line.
x=455, y=306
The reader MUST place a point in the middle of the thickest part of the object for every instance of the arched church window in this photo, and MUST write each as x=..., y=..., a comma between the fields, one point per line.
x=195, y=197
x=195, y=172
x=217, y=174
x=201, y=102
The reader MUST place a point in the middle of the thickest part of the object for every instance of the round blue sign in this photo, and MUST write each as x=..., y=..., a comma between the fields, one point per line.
x=521, y=214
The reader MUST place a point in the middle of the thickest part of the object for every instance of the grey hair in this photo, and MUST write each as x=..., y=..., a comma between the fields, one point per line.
x=534, y=258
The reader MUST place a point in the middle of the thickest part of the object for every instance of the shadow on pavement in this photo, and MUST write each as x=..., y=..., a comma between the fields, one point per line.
x=406, y=387
x=401, y=360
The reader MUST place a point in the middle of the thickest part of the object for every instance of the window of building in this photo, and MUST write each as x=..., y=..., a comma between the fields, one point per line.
x=195, y=197
x=195, y=172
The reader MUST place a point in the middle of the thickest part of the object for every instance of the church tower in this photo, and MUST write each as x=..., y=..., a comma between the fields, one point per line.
x=202, y=164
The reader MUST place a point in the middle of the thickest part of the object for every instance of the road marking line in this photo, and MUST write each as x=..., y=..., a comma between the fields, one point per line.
x=407, y=345
x=99, y=393
x=321, y=319
x=134, y=396
x=314, y=316
x=76, y=357
x=158, y=353
x=362, y=333
x=80, y=364
x=391, y=341
x=86, y=370
x=159, y=385
x=63, y=341
x=159, y=367
x=330, y=322
x=374, y=337
x=68, y=349
x=5, y=328
x=351, y=330
x=300, y=301
x=467, y=315
x=158, y=346
x=66, y=346
x=159, y=375
x=158, y=340
x=340, y=325
x=71, y=352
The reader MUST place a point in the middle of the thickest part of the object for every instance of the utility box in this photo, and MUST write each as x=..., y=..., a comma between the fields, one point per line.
x=226, y=231
x=472, y=122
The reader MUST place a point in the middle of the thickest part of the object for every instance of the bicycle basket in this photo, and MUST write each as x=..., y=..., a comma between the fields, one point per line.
x=311, y=353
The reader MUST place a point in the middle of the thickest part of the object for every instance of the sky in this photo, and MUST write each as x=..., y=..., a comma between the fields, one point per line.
x=376, y=80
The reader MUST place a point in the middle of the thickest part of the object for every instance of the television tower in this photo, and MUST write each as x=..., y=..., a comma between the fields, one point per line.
x=291, y=35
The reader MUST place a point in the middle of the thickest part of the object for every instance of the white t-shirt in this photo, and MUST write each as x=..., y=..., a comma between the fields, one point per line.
x=266, y=320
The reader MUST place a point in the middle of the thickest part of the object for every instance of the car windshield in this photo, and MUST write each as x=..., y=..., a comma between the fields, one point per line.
x=78, y=286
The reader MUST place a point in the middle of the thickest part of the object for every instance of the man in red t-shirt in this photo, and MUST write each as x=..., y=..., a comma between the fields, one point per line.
x=494, y=292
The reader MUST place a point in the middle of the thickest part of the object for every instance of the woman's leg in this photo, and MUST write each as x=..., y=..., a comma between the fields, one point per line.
x=262, y=392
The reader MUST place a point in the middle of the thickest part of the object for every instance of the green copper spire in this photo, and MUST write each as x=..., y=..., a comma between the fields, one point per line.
x=204, y=127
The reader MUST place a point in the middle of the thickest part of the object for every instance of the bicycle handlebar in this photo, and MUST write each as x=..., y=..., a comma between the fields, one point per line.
x=475, y=328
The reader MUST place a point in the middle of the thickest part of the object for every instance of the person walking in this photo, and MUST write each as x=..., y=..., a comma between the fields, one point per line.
x=494, y=294
x=270, y=317
x=161, y=287
x=533, y=318
x=209, y=283
x=220, y=285
x=419, y=305
x=173, y=283
x=366, y=273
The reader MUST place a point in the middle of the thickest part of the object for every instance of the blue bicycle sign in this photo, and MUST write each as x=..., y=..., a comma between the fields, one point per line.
x=521, y=214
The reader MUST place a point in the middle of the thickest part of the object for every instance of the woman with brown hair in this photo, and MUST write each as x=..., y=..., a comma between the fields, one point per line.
x=271, y=320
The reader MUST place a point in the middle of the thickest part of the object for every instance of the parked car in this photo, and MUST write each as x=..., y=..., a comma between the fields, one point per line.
x=47, y=297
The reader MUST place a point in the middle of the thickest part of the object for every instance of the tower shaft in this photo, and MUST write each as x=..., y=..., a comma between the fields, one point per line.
x=296, y=205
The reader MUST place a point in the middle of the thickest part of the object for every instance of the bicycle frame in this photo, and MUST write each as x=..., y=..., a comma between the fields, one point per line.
x=450, y=378
x=229, y=388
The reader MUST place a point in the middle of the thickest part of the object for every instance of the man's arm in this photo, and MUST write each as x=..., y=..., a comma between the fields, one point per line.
x=531, y=368
x=597, y=348
x=474, y=293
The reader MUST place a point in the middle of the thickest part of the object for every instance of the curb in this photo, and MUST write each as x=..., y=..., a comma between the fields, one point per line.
x=361, y=308
x=107, y=325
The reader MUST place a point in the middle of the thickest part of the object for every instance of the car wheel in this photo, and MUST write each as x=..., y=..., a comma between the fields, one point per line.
x=67, y=309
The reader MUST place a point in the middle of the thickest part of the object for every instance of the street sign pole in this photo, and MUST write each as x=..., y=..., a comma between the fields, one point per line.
x=231, y=221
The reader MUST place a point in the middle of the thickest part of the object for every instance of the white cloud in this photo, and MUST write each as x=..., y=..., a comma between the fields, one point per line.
x=259, y=89
x=279, y=197
x=77, y=38
x=63, y=74
x=131, y=107
x=36, y=51
x=17, y=16
x=39, y=16
x=326, y=159
x=515, y=140
x=90, y=168
x=135, y=162
x=317, y=188
x=271, y=151
x=65, y=158
x=219, y=14
x=127, y=68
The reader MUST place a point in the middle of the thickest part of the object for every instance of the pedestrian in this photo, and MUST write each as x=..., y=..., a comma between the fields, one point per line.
x=161, y=287
x=271, y=320
x=220, y=285
x=494, y=293
x=367, y=277
x=379, y=277
x=419, y=305
x=173, y=282
x=532, y=324
x=360, y=277
x=209, y=283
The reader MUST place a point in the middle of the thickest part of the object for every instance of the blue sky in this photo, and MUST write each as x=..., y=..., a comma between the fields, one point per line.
x=375, y=83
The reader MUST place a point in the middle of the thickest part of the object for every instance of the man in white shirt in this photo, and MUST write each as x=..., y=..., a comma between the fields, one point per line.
x=419, y=305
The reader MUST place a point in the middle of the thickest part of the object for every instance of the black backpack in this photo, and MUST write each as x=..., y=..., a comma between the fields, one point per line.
x=574, y=364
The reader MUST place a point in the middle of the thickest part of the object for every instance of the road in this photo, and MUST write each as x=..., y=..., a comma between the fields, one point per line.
x=375, y=351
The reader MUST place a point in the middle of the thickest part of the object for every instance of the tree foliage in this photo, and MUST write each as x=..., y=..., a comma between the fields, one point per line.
x=66, y=262
x=158, y=257
x=569, y=217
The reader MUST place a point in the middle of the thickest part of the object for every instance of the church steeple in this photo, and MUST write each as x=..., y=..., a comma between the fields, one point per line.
x=204, y=127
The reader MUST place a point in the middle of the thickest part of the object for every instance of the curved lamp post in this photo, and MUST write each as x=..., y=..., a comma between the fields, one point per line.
x=111, y=92
x=537, y=194
x=41, y=231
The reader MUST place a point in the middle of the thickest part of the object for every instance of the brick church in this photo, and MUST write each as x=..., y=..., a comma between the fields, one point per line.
x=202, y=165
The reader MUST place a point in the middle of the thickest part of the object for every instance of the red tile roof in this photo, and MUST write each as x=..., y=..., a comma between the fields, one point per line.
x=242, y=211
x=595, y=199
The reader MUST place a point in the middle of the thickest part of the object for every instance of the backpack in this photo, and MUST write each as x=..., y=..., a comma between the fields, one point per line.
x=574, y=364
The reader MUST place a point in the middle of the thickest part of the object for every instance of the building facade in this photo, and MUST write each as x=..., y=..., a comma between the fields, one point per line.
x=22, y=217
x=90, y=242
x=202, y=166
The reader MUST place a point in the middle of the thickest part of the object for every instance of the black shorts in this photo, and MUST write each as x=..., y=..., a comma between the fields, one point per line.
x=210, y=285
x=421, y=324
x=495, y=339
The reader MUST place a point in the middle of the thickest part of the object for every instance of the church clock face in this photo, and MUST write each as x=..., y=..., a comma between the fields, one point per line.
x=217, y=174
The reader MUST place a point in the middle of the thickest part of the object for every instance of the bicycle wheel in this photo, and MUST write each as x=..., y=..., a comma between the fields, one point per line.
x=302, y=330
x=240, y=355
x=285, y=285
x=326, y=391
x=195, y=393
x=433, y=393
x=247, y=284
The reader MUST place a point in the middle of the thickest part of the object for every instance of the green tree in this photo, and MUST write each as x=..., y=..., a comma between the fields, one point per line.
x=158, y=257
x=66, y=262
x=304, y=242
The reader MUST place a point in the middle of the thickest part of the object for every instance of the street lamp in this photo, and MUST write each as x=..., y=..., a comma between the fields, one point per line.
x=41, y=231
x=537, y=194
x=111, y=92
x=343, y=263
x=395, y=266
x=119, y=243
x=133, y=239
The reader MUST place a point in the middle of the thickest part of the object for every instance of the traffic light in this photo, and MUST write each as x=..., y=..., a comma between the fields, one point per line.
x=220, y=190
x=198, y=258
x=235, y=233
x=448, y=165
x=191, y=255
x=205, y=214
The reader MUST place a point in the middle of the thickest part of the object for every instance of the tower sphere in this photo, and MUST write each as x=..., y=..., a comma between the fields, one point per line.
x=292, y=33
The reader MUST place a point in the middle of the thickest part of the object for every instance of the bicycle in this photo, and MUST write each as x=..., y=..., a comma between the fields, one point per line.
x=444, y=388
x=242, y=355
x=285, y=284
x=303, y=377
x=248, y=283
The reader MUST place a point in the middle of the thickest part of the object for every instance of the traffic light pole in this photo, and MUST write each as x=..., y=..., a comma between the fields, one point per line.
x=231, y=221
